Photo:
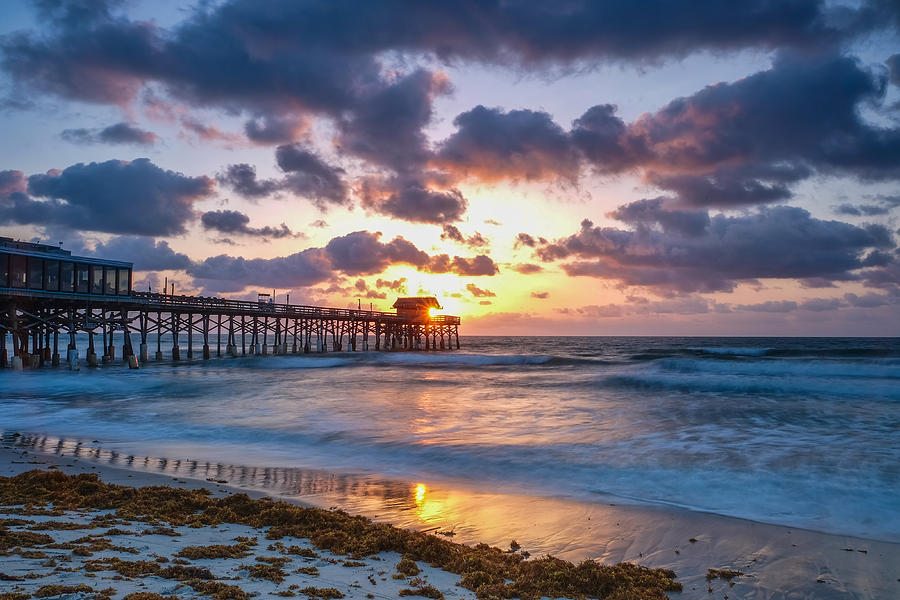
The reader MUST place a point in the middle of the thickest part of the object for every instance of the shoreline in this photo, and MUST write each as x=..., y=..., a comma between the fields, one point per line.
x=779, y=562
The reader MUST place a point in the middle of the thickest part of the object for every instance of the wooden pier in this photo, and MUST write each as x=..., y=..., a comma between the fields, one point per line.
x=49, y=297
x=35, y=321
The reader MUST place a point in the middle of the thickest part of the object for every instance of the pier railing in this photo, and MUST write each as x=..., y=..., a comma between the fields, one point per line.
x=203, y=303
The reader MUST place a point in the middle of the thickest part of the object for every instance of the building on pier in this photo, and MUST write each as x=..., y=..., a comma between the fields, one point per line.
x=46, y=293
x=418, y=308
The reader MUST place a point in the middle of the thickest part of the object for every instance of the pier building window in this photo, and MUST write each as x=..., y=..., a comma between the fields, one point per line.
x=35, y=273
x=4, y=270
x=96, y=280
x=17, y=269
x=67, y=277
x=51, y=275
x=109, y=287
x=82, y=279
x=124, y=282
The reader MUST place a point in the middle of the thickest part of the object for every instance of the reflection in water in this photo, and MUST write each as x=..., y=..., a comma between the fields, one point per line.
x=572, y=530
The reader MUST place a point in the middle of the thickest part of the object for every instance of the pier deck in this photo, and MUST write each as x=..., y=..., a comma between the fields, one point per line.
x=38, y=318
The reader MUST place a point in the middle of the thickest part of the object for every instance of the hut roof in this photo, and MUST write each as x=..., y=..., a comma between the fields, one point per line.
x=417, y=302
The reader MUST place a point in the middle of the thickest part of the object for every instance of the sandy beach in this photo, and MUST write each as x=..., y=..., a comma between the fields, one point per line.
x=776, y=562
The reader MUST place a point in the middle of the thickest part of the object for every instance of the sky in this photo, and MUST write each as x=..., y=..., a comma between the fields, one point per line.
x=666, y=167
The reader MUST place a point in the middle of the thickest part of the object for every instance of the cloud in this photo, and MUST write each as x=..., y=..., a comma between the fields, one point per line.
x=115, y=196
x=415, y=203
x=396, y=285
x=229, y=273
x=527, y=268
x=306, y=175
x=477, y=292
x=741, y=143
x=235, y=222
x=386, y=129
x=144, y=252
x=821, y=304
x=893, y=64
x=311, y=177
x=540, y=295
x=363, y=253
x=273, y=129
x=776, y=242
x=280, y=65
x=771, y=306
x=451, y=232
x=242, y=179
x=491, y=145
x=883, y=205
x=120, y=133
x=478, y=266
x=356, y=254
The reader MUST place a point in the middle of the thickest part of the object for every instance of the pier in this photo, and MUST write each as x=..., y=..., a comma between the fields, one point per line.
x=48, y=297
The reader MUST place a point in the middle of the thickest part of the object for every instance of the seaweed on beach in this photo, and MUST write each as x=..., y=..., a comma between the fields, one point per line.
x=239, y=550
x=490, y=572
x=726, y=574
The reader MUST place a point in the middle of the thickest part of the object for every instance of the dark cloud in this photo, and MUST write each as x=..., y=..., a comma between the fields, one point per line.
x=652, y=212
x=477, y=292
x=540, y=295
x=145, y=253
x=525, y=239
x=115, y=196
x=778, y=242
x=893, y=64
x=396, y=285
x=311, y=177
x=120, y=133
x=235, y=222
x=745, y=142
x=730, y=144
x=821, y=304
x=771, y=306
x=527, y=268
x=882, y=205
x=273, y=129
x=363, y=253
x=386, y=129
x=229, y=273
x=491, y=144
x=416, y=204
x=282, y=63
x=480, y=265
x=12, y=182
x=306, y=175
x=354, y=254
x=869, y=210
x=451, y=232
x=242, y=179
x=601, y=137
x=869, y=300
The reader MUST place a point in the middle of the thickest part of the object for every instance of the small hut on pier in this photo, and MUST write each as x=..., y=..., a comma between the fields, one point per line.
x=417, y=308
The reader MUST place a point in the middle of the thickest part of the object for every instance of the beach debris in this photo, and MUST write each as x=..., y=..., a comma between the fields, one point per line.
x=726, y=574
x=322, y=593
x=407, y=567
x=264, y=571
x=426, y=591
x=489, y=572
x=239, y=550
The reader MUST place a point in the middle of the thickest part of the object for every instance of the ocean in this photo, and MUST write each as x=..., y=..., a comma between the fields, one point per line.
x=788, y=431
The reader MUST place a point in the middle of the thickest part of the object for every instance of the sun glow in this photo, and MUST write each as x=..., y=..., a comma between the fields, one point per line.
x=421, y=489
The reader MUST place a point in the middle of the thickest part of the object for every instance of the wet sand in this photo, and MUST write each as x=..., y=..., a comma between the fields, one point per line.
x=778, y=562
